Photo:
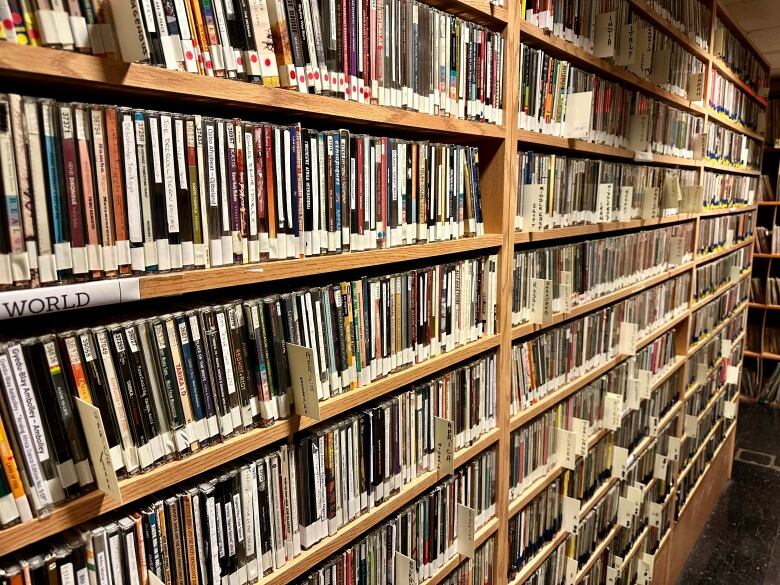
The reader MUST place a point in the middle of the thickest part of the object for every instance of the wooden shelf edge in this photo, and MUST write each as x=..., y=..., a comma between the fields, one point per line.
x=522, y=237
x=728, y=210
x=723, y=120
x=763, y=355
x=767, y=203
x=95, y=503
x=536, y=561
x=176, y=283
x=582, y=59
x=710, y=256
x=87, y=72
x=766, y=255
x=716, y=166
x=520, y=331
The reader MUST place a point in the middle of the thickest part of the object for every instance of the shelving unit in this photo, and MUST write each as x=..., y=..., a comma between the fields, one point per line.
x=23, y=68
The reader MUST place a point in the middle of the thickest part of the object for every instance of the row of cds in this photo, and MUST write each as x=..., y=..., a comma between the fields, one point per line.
x=720, y=309
x=559, y=191
x=733, y=148
x=544, y=363
x=740, y=58
x=721, y=231
x=616, y=115
x=691, y=17
x=398, y=53
x=101, y=191
x=713, y=275
x=584, y=271
x=169, y=385
x=246, y=523
x=726, y=189
x=729, y=100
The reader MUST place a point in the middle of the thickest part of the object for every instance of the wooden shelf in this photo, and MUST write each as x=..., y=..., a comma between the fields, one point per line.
x=527, y=329
x=768, y=203
x=480, y=11
x=176, y=283
x=582, y=147
x=536, y=561
x=531, y=34
x=95, y=74
x=716, y=166
x=480, y=536
x=753, y=305
x=727, y=122
x=728, y=210
x=765, y=255
x=723, y=288
x=596, y=554
x=523, y=237
x=94, y=503
x=763, y=355
x=725, y=71
x=699, y=450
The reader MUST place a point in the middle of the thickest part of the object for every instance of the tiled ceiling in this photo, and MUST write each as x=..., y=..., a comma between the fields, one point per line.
x=760, y=20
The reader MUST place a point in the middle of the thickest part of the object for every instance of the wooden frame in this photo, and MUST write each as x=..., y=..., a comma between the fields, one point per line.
x=34, y=67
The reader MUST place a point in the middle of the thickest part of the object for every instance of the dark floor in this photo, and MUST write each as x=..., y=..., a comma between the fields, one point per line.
x=740, y=544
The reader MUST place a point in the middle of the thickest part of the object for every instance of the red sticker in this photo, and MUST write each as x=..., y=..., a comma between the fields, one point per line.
x=292, y=74
x=189, y=55
x=17, y=18
x=239, y=61
x=7, y=23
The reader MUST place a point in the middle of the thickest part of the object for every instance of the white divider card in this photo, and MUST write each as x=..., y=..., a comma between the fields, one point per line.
x=763, y=92
x=304, y=380
x=644, y=573
x=612, y=576
x=99, y=452
x=570, y=520
x=613, y=411
x=571, y=570
x=565, y=442
x=643, y=156
x=443, y=435
x=652, y=426
x=672, y=194
x=654, y=511
x=579, y=108
x=735, y=273
x=673, y=448
x=130, y=30
x=54, y=299
x=580, y=428
x=676, y=250
x=651, y=204
x=541, y=301
x=604, y=202
x=628, y=338
x=638, y=132
x=695, y=87
x=701, y=373
x=626, y=203
x=534, y=207
x=567, y=289
x=725, y=348
x=619, y=462
x=699, y=145
x=465, y=537
x=153, y=578
x=644, y=380
x=732, y=375
x=729, y=410
x=761, y=123
x=660, y=466
x=625, y=513
x=632, y=394
x=729, y=237
x=691, y=425
x=626, y=50
x=604, y=39
x=659, y=68
x=405, y=570
x=693, y=198
x=634, y=494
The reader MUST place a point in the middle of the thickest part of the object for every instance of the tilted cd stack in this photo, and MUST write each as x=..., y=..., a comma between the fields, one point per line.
x=396, y=292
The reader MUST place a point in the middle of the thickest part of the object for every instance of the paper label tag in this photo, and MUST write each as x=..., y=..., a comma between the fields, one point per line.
x=651, y=205
x=634, y=494
x=626, y=203
x=580, y=427
x=130, y=30
x=676, y=250
x=619, y=462
x=691, y=425
x=632, y=394
x=644, y=573
x=652, y=426
x=734, y=273
x=643, y=378
x=99, y=452
x=639, y=133
x=541, y=301
x=54, y=299
x=304, y=380
x=729, y=237
x=571, y=570
x=613, y=411
x=628, y=338
x=570, y=521
x=732, y=375
x=604, y=40
x=659, y=469
x=153, y=578
x=725, y=348
x=699, y=145
x=443, y=434
x=626, y=51
x=604, y=203
x=565, y=442
x=578, y=114
x=405, y=570
x=673, y=449
x=625, y=515
x=465, y=540
x=612, y=576
x=701, y=373
x=695, y=87
x=654, y=514
x=729, y=410
x=534, y=207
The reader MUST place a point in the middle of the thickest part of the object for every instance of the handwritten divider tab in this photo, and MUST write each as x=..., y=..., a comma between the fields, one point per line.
x=99, y=452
